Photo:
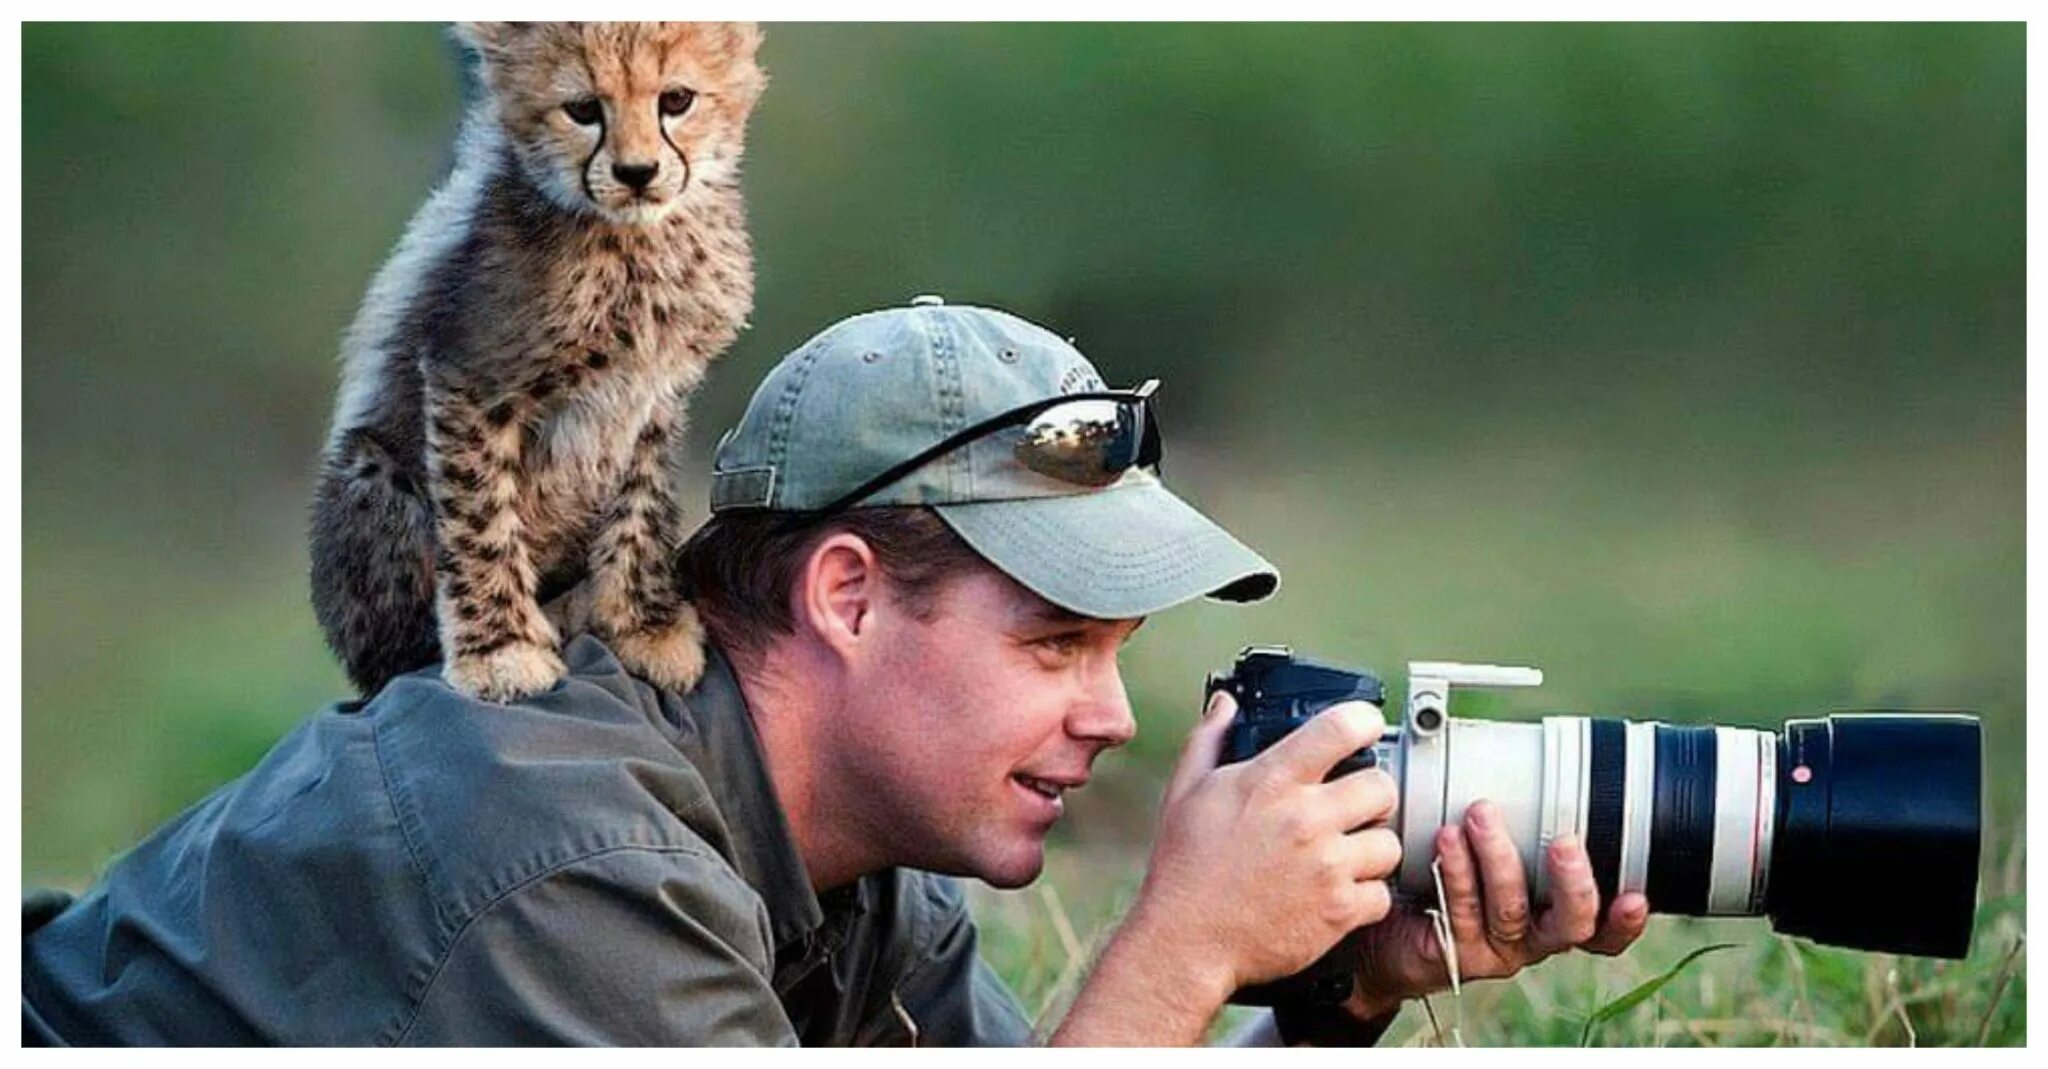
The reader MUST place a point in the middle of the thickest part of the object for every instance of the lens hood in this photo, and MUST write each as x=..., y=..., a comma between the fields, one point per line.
x=1878, y=830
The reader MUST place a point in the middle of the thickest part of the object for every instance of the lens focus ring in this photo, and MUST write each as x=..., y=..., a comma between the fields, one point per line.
x=1606, y=788
x=1682, y=820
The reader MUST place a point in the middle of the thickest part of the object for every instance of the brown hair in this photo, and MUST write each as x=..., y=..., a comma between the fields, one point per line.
x=739, y=568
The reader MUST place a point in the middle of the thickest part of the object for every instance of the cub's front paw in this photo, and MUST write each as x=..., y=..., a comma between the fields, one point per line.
x=506, y=674
x=672, y=657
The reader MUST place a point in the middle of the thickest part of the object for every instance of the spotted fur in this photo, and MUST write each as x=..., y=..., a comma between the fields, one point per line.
x=518, y=374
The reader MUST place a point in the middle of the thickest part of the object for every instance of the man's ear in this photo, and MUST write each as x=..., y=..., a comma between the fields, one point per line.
x=836, y=596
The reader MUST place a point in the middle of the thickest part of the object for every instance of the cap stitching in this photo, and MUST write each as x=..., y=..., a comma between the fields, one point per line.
x=785, y=406
x=952, y=394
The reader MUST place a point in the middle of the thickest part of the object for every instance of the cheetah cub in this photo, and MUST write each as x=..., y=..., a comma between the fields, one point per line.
x=520, y=368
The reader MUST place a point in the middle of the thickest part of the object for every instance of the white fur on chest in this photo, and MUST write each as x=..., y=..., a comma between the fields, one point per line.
x=591, y=436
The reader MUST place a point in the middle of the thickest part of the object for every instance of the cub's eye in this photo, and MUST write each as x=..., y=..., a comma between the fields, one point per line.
x=677, y=101
x=584, y=112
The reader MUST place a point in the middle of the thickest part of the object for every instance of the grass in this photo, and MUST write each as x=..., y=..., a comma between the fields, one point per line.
x=1760, y=989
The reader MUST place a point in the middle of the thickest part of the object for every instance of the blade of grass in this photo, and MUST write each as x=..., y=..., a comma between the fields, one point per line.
x=1076, y=957
x=1998, y=993
x=1436, y=1027
x=1798, y=964
x=1894, y=1006
x=1899, y=1007
x=1636, y=995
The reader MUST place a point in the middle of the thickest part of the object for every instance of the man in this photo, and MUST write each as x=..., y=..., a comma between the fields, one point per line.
x=932, y=532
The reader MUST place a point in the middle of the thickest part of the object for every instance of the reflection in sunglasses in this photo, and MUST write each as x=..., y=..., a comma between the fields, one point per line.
x=1088, y=443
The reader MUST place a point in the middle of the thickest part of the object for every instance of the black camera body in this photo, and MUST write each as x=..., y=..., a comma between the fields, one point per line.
x=1277, y=692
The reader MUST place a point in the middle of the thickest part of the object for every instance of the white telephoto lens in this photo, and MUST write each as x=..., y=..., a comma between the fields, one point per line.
x=1565, y=764
x=1640, y=779
x=1691, y=829
x=1469, y=760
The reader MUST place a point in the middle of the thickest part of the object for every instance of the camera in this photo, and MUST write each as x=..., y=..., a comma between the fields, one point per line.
x=1800, y=825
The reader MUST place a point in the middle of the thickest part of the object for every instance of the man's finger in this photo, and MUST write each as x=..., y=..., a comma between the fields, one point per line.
x=1372, y=901
x=1198, y=756
x=1355, y=799
x=1574, y=910
x=1626, y=919
x=1375, y=853
x=1332, y=735
x=1501, y=881
x=1461, y=885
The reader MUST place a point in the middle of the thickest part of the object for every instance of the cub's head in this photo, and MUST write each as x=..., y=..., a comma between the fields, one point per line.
x=629, y=120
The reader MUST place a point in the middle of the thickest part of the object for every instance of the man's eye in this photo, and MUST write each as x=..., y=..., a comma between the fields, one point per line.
x=677, y=101
x=584, y=112
x=1064, y=645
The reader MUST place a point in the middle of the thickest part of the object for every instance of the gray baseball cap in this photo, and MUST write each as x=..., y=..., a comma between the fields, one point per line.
x=873, y=391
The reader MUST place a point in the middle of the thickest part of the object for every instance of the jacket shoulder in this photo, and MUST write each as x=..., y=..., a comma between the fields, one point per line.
x=491, y=795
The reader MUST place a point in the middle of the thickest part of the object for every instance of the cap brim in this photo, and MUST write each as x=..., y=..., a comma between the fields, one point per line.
x=1128, y=551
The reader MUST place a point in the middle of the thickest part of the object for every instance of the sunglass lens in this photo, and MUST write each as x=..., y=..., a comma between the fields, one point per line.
x=1087, y=443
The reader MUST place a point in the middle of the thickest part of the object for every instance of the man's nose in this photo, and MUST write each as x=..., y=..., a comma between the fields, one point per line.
x=1106, y=712
x=636, y=175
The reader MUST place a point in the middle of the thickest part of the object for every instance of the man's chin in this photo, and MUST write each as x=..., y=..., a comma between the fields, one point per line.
x=1010, y=873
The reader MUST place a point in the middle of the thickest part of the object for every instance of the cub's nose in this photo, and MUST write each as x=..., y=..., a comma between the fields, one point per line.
x=636, y=175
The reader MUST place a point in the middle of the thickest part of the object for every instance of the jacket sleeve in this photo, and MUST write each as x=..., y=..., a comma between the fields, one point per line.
x=949, y=995
x=630, y=946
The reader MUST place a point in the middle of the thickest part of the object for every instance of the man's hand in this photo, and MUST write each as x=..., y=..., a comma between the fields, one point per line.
x=1258, y=864
x=1257, y=870
x=1486, y=899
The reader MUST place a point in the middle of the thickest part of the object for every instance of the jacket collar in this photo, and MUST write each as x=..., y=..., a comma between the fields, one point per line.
x=717, y=734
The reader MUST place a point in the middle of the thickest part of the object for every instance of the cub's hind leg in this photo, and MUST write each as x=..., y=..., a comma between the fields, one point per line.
x=373, y=563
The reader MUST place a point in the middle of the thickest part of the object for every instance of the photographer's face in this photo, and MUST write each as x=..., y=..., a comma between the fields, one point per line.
x=978, y=719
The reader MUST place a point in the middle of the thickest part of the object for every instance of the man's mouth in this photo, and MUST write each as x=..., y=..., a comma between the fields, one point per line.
x=1044, y=787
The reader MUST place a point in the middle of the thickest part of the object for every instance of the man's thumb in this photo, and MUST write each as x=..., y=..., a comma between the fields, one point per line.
x=1205, y=744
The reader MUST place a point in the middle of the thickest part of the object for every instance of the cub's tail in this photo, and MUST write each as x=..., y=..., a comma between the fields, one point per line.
x=373, y=563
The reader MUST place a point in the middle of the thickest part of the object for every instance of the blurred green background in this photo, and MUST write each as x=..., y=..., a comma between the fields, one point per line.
x=1686, y=362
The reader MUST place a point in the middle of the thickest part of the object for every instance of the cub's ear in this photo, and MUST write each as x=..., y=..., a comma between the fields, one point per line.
x=491, y=38
x=743, y=39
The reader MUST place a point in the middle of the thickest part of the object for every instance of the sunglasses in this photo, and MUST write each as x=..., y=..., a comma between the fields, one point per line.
x=1086, y=439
